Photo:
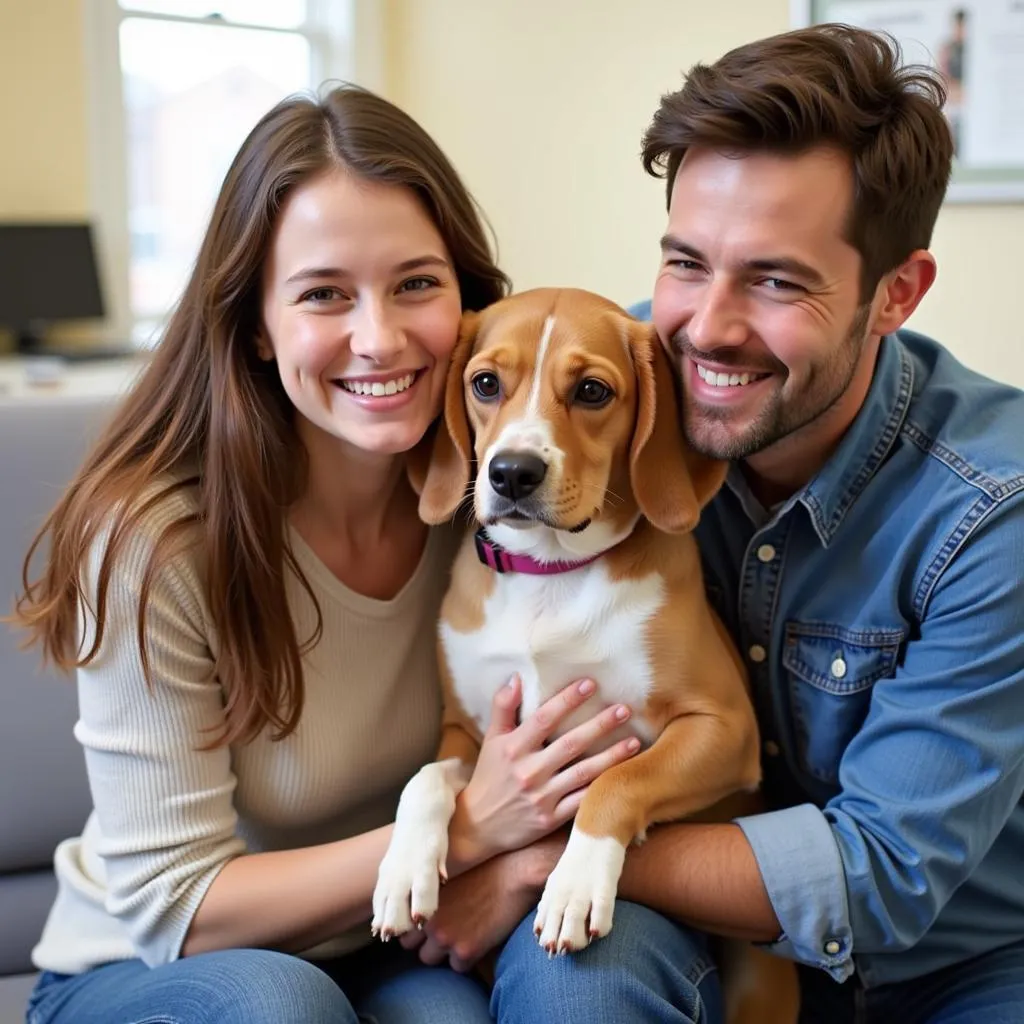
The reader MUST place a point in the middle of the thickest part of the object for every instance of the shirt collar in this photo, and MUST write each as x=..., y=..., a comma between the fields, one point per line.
x=838, y=484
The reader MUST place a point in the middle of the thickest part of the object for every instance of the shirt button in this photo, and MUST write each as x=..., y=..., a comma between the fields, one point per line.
x=757, y=654
x=771, y=748
x=765, y=552
x=832, y=947
x=839, y=668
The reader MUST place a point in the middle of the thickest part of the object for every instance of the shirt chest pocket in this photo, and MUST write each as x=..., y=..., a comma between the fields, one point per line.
x=830, y=671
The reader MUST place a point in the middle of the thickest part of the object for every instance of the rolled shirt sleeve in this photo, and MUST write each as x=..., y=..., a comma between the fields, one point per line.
x=800, y=863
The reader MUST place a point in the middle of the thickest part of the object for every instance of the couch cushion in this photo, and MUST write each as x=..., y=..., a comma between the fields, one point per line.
x=46, y=799
x=25, y=899
x=14, y=993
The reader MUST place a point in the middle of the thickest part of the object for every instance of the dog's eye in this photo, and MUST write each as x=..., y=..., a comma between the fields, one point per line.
x=592, y=392
x=486, y=386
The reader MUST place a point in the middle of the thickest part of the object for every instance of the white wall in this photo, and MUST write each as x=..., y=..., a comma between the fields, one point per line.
x=541, y=105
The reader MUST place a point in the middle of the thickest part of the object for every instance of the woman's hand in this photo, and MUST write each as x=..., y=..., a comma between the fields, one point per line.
x=521, y=789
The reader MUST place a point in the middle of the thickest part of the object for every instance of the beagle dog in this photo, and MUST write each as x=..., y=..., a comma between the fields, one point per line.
x=581, y=564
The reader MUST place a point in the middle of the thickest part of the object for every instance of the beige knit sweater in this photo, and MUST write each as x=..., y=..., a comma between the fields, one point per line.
x=167, y=818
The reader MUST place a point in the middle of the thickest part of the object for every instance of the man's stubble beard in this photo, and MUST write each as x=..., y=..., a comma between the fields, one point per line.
x=780, y=417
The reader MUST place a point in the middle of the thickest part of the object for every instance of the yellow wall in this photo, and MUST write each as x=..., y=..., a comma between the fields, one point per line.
x=541, y=105
x=43, y=143
x=44, y=167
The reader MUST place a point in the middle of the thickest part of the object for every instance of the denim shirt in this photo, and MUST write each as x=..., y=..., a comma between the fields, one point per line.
x=880, y=611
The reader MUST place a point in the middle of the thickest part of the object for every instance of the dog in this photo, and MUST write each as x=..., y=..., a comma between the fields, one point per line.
x=581, y=564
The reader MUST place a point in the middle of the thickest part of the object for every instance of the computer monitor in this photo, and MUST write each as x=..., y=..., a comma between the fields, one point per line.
x=47, y=273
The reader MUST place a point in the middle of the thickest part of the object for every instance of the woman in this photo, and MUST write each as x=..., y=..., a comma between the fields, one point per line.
x=240, y=577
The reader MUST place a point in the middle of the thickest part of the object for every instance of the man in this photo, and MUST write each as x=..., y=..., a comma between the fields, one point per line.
x=866, y=552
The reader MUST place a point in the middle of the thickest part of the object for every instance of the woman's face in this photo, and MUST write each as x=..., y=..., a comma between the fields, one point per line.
x=361, y=310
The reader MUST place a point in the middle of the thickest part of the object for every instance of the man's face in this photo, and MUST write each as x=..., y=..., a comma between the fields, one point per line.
x=757, y=296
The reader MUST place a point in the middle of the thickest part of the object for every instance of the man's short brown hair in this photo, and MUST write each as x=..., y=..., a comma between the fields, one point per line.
x=826, y=85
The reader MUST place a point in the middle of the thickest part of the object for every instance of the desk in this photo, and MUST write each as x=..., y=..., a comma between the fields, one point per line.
x=44, y=380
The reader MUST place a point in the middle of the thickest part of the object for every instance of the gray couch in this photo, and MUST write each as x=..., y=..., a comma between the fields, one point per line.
x=44, y=796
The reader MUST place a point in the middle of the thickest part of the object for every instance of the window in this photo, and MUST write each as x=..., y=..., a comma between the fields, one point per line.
x=178, y=84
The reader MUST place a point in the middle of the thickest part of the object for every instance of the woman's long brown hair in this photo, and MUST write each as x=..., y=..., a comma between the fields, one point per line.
x=209, y=415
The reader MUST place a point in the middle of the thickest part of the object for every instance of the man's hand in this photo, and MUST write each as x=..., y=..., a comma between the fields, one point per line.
x=481, y=908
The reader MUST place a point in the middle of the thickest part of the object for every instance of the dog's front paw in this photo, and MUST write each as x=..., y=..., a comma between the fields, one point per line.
x=408, y=882
x=579, y=897
x=408, y=879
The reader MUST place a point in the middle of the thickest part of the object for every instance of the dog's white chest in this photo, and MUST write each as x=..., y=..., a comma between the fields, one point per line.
x=555, y=629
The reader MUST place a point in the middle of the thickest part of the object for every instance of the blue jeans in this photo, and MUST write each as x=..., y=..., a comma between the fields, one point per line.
x=988, y=989
x=256, y=986
x=647, y=970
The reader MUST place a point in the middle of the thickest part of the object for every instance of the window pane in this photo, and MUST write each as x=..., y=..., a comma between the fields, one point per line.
x=275, y=13
x=192, y=93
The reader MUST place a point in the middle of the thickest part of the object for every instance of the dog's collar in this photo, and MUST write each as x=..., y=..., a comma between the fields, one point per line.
x=497, y=558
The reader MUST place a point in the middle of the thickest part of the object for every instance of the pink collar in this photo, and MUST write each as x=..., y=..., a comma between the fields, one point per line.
x=500, y=560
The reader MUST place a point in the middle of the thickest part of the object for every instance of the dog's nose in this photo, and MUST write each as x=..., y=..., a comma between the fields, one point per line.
x=516, y=475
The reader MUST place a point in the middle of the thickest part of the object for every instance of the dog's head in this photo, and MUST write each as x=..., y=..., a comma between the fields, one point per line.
x=566, y=407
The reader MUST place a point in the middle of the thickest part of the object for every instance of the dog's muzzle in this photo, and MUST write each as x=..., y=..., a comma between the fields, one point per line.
x=516, y=475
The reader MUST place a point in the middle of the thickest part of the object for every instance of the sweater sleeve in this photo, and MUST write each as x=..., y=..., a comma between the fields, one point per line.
x=164, y=808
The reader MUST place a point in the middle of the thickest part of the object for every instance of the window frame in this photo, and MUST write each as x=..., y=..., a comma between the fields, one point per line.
x=346, y=40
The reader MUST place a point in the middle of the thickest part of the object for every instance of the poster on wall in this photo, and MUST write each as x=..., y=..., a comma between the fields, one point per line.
x=978, y=48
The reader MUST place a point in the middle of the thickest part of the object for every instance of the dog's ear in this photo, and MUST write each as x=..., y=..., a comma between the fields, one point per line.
x=440, y=466
x=670, y=481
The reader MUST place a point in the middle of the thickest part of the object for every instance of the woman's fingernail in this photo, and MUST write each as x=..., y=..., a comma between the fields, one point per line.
x=622, y=712
x=587, y=687
x=512, y=680
x=633, y=745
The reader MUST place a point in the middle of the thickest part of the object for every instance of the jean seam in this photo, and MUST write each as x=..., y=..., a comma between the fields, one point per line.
x=699, y=970
x=695, y=976
x=35, y=1016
